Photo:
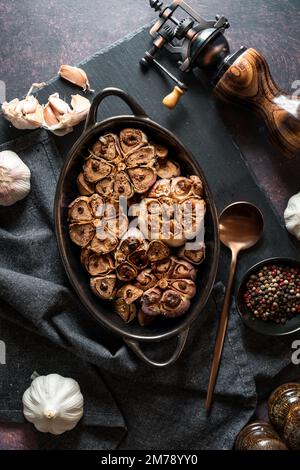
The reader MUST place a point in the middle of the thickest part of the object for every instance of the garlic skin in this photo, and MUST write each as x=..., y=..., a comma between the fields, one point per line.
x=53, y=403
x=60, y=118
x=14, y=178
x=75, y=75
x=292, y=216
x=24, y=114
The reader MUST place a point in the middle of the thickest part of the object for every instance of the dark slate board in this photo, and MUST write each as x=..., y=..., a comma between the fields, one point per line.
x=195, y=121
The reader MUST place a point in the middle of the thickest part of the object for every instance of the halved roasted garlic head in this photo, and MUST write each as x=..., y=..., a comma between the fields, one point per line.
x=170, y=295
x=104, y=286
x=121, y=166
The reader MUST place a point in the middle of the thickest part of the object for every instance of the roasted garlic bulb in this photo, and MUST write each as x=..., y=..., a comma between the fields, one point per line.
x=172, y=288
x=131, y=255
x=174, y=211
x=120, y=166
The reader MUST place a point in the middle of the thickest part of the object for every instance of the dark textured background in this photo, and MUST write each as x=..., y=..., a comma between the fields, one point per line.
x=37, y=36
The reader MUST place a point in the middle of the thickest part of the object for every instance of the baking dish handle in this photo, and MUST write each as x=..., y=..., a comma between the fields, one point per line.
x=181, y=340
x=133, y=105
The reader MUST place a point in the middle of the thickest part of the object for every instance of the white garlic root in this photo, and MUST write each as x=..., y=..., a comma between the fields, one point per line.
x=56, y=116
x=53, y=403
x=76, y=76
x=14, y=178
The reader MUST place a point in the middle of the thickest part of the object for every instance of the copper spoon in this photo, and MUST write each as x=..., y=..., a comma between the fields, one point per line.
x=241, y=226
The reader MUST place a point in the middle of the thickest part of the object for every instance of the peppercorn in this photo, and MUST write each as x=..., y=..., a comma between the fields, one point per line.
x=273, y=293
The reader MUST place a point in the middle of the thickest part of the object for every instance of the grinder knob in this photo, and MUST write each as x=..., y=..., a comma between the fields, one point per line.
x=172, y=99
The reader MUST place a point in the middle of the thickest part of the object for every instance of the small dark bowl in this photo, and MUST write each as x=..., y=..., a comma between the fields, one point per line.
x=268, y=327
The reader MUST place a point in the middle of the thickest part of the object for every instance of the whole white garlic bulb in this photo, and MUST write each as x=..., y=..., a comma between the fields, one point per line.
x=53, y=403
x=14, y=178
x=292, y=216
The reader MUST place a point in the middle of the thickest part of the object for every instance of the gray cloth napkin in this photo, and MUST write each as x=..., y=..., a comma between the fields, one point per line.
x=127, y=404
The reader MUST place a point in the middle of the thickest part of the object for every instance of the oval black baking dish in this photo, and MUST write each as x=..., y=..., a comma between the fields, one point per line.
x=67, y=191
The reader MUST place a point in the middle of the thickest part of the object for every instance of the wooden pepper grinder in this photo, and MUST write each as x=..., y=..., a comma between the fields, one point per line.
x=248, y=82
x=242, y=77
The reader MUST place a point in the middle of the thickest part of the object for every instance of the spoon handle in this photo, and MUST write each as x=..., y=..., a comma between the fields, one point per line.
x=221, y=333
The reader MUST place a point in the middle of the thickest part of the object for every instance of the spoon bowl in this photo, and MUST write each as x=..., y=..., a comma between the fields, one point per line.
x=241, y=225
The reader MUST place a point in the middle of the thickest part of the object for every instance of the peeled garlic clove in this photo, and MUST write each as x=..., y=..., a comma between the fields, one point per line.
x=95, y=169
x=142, y=178
x=14, y=178
x=129, y=293
x=131, y=140
x=75, y=75
x=82, y=233
x=79, y=210
x=84, y=187
x=104, y=286
x=157, y=251
x=99, y=265
x=144, y=156
x=126, y=311
x=167, y=169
